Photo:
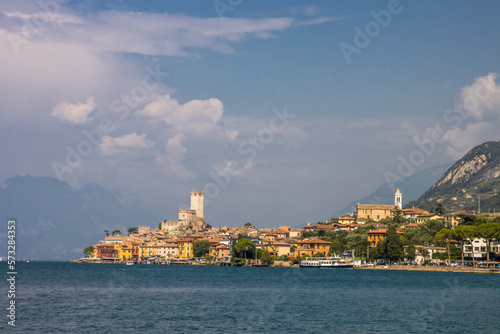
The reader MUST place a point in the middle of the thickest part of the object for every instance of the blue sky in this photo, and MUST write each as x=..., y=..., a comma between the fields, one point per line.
x=68, y=67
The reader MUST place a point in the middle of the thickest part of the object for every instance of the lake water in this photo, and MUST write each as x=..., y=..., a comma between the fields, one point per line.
x=57, y=297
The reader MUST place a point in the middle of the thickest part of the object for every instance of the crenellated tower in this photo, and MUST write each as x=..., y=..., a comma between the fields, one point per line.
x=197, y=203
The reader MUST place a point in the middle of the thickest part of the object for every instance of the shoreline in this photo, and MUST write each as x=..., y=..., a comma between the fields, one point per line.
x=432, y=268
x=392, y=267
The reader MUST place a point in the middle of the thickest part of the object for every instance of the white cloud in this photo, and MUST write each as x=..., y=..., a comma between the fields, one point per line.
x=151, y=33
x=127, y=144
x=316, y=21
x=482, y=99
x=479, y=119
x=461, y=141
x=77, y=113
x=175, y=155
x=175, y=151
x=43, y=17
x=196, y=116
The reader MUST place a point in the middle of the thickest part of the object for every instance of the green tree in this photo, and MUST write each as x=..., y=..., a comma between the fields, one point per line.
x=393, y=245
x=201, y=248
x=247, y=225
x=88, y=250
x=209, y=226
x=411, y=252
x=425, y=254
x=444, y=236
x=336, y=246
x=267, y=258
x=463, y=234
x=132, y=230
x=244, y=247
x=488, y=232
x=439, y=208
x=397, y=216
x=107, y=233
x=116, y=232
x=380, y=249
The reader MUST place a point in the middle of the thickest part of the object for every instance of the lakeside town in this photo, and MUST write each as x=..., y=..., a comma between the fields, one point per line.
x=374, y=235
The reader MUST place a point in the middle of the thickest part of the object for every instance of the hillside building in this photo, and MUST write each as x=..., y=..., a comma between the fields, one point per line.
x=377, y=212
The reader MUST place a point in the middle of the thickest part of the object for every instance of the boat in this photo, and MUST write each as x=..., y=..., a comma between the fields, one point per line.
x=311, y=263
x=333, y=262
x=129, y=263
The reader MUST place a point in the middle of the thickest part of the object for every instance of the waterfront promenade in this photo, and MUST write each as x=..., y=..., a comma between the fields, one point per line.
x=455, y=269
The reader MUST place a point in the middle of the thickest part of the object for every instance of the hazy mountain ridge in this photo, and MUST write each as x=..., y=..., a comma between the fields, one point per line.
x=475, y=175
x=412, y=187
x=55, y=221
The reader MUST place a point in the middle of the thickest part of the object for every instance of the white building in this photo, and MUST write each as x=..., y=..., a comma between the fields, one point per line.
x=479, y=245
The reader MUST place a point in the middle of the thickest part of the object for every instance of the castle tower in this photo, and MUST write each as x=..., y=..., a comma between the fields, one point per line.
x=197, y=203
x=398, y=199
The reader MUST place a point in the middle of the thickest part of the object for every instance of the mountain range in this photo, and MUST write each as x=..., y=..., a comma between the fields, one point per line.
x=55, y=221
x=472, y=183
x=412, y=188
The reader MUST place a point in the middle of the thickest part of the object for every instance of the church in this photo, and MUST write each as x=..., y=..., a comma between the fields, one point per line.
x=377, y=212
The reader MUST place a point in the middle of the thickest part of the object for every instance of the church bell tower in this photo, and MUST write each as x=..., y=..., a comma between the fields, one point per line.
x=398, y=199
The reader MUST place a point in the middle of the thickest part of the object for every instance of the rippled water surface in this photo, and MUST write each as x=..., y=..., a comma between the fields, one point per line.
x=57, y=297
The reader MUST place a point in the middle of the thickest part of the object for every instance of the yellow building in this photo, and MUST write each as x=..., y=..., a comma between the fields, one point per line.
x=431, y=216
x=374, y=212
x=375, y=236
x=295, y=233
x=219, y=251
x=311, y=247
x=93, y=254
x=124, y=251
x=377, y=212
x=186, y=248
x=278, y=248
x=452, y=218
x=147, y=250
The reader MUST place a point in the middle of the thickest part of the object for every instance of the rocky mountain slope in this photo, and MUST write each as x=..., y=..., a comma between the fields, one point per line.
x=474, y=178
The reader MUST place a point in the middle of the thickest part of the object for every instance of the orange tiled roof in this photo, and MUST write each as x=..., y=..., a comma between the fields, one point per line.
x=314, y=241
x=381, y=231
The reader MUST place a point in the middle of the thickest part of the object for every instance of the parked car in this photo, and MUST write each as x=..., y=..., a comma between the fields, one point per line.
x=381, y=263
